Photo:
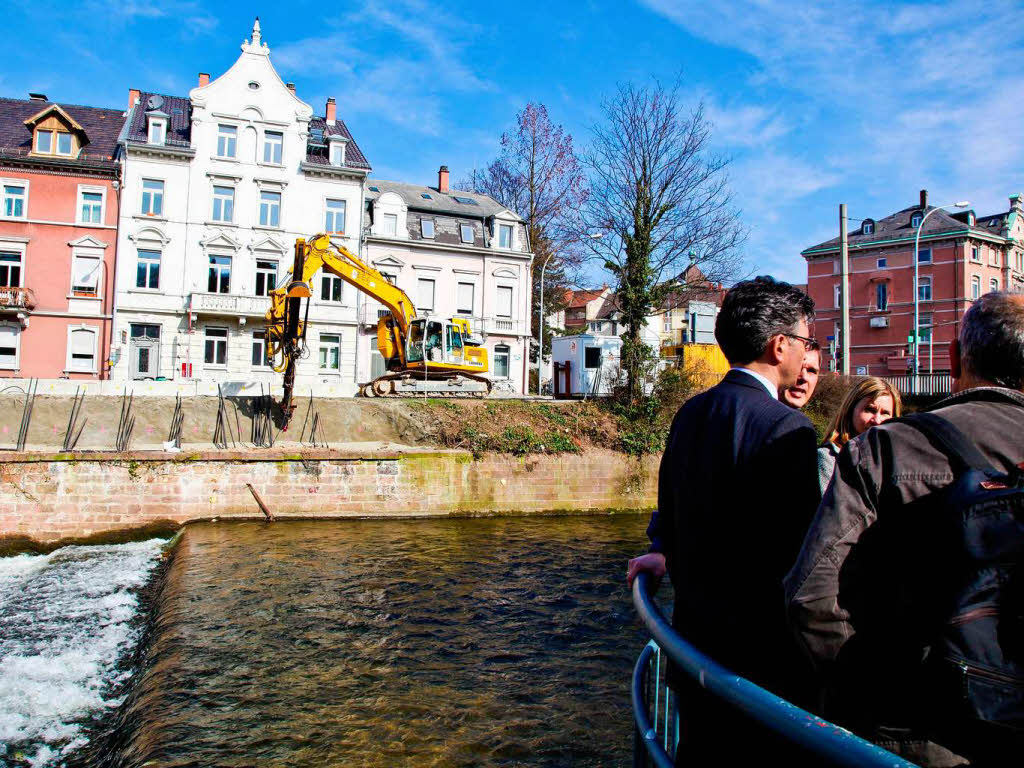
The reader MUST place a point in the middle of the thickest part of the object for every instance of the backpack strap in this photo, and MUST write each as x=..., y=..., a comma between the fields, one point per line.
x=961, y=451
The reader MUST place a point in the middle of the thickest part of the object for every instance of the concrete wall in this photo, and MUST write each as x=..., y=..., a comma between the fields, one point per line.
x=52, y=498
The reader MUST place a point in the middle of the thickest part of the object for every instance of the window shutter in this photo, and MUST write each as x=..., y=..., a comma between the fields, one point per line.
x=87, y=270
x=504, y=301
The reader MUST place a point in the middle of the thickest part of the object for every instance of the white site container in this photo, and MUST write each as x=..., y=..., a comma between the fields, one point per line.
x=594, y=360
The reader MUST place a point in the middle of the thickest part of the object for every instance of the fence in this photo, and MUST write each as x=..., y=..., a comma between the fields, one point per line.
x=922, y=383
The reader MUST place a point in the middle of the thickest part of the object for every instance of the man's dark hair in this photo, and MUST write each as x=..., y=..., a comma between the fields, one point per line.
x=992, y=339
x=755, y=310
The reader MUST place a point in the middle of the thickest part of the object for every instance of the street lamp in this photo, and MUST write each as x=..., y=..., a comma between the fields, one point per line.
x=917, y=288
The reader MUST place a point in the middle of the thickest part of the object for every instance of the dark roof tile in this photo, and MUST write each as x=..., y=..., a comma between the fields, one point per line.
x=317, y=153
x=101, y=126
x=179, y=133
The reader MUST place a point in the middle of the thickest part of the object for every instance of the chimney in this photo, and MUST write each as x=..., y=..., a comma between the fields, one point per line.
x=332, y=112
x=290, y=87
x=924, y=199
x=442, y=179
x=1015, y=204
x=38, y=97
x=133, y=97
x=204, y=79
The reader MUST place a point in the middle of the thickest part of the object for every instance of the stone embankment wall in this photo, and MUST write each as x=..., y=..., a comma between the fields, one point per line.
x=57, y=497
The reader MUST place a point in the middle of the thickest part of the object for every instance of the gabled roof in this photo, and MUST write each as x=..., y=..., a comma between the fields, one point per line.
x=54, y=108
x=583, y=297
x=100, y=126
x=430, y=199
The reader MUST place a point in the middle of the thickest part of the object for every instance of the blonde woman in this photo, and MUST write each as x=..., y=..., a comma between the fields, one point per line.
x=869, y=403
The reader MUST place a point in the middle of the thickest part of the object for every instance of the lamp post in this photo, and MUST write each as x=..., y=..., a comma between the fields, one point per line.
x=917, y=289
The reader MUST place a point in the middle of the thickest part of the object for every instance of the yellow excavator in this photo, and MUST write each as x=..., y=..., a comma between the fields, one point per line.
x=433, y=355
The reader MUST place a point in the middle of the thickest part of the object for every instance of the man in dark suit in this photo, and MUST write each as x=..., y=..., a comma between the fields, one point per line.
x=737, y=490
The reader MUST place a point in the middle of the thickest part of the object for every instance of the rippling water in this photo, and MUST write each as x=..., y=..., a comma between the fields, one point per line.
x=371, y=643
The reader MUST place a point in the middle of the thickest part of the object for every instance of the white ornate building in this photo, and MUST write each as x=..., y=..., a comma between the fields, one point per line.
x=216, y=188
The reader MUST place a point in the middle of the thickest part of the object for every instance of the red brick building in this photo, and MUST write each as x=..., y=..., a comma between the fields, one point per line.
x=58, y=234
x=961, y=256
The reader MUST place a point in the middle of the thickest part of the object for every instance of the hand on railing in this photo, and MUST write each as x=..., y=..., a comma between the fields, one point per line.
x=653, y=563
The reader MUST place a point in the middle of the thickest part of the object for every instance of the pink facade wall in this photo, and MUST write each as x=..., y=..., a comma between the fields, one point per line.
x=50, y=225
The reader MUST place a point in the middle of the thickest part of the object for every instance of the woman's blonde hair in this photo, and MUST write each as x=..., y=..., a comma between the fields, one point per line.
x=871, y=387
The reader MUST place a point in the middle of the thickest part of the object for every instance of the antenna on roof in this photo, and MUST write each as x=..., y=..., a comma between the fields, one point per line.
x=154, y=102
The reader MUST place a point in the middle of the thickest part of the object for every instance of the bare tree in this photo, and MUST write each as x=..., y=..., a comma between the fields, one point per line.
x=659, y=205
x=539, y=176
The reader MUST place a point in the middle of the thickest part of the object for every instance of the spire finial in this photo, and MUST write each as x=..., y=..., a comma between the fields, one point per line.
x=256, y=32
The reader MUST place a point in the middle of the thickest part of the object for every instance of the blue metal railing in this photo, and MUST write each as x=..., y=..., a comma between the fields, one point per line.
x=836, y=746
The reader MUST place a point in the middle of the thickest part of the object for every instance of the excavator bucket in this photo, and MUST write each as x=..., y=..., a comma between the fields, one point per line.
x=298, y=290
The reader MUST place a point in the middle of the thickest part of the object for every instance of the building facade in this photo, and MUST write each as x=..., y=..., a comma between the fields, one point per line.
x=217, y=187
x=961, y=256
x=456, y=254
x=59, y=193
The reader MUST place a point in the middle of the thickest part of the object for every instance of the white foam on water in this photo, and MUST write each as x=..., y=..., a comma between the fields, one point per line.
x=65, y=621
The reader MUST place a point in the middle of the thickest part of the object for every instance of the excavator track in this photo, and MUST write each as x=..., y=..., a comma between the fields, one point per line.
x=383, y=386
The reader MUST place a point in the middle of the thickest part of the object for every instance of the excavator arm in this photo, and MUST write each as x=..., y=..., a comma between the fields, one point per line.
x=286, y=318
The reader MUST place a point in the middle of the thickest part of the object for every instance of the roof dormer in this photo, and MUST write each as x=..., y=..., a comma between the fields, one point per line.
x=56, y=133
x=156, y=120
x=338, y=145
x=867, y=227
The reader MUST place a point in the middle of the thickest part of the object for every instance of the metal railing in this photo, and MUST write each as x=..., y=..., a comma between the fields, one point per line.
x=834, y=745
x=922, y=383
x=14, y=297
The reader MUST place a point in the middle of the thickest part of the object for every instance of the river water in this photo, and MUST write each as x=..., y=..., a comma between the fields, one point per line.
x=460, y=642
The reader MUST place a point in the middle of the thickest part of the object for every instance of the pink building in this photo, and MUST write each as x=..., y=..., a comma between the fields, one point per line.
x=58, y=235
x=961, y=256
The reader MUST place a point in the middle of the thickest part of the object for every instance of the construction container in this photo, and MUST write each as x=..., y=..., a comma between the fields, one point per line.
x=587, y=365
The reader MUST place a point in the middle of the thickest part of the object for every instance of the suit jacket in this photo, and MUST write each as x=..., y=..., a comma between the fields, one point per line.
x=737, y=490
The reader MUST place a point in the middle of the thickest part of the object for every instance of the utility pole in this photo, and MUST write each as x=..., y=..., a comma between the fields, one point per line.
x=844, y=292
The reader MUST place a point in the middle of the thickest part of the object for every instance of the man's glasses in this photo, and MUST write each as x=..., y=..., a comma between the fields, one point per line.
x=810, y=343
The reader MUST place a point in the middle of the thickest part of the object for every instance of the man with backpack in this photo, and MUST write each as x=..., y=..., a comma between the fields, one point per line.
x=908, y=593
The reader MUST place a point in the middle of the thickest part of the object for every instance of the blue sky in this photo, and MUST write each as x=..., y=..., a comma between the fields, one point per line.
x=817, y=104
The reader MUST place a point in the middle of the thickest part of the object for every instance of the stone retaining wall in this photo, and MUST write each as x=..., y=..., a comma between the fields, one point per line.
x=54, y=497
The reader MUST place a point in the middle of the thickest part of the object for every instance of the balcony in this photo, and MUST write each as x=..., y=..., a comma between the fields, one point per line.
x=371, y=311
x=226, y=304
x=503, y=325
x=14, y=298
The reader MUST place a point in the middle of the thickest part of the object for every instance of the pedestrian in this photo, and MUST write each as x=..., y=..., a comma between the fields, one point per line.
x=912, y=564
x=800, y=393
x=870, y=402
x=736, y=491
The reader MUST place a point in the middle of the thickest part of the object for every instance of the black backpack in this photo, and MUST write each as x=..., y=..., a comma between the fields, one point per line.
x=976, y=655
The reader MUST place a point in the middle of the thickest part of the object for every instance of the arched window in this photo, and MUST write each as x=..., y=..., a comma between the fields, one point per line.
x=975, y=287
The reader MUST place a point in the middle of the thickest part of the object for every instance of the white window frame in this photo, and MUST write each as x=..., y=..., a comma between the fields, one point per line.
x=924, y=328
x=975, y=287
x=458, y=297
x=332, y=280
x=83, y=190
x=507, y=351
x=17, y=331
x=993, y=284
x=91, y=254
x=216, y=340
x=915, y=220
x=511, y=230
x=922, y=258
x=274, y=146
x=333, y=214
x=223, y=199
x=993, y=257
x=268, y=207
x=230, y=142
x=882, y=263
x=462, y=234
x=337, y=152
x=868, y=228
x=71, y=144
x=324, y=344
x=159, y=264
x=19, y=250
x=5, y=198
x=390, y=218
x=837, y=295
x=69, y=361
x=156, y=131
x=976, y=254
x=259, y=336
x=267, y=286
x=52, y=149
x=922, y=282
x=153, y=197
x=424, y=223
x=498, y=289
x=420, y=285
x=210, y=256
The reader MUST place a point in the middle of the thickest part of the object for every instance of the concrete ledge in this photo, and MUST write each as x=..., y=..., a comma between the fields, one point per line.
x=353, y=453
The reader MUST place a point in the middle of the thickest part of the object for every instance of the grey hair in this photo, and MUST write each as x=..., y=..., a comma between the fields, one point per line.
x=992, y=339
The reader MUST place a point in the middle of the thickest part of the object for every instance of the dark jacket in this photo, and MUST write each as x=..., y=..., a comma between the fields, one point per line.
x=860, y=590
x=737, y=489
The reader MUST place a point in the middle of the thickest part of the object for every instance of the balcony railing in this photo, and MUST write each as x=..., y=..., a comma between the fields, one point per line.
x=229, y=304
x=371, y=311
x=15, y=297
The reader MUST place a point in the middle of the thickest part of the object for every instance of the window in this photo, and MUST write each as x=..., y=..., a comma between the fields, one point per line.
x=10, y=345
x=1020, y=261
x=227, y=141
x=666, y=322
x=924, y=289
x=504, y=235
x=868, y=228
x=152, y=197
x=260, y=356
x=924, y=256
x=90, y=207
x=427, y=227
x=273, y=147
x=330, y=288
x=334, y=217
x=467, y=232
x=266, y=277
x=693, y=327
x=85, y=275
x=464, y=298
x=975, y=287
x=993, y=284
x=216, y=347
x=592, y=357
x=501, y=355
x=223, y=203
x=44, y=142
x=14, y=200
x=147, y=273
x=82, y=350
x=993, y=257
x=337, y=153
x=883, y=262
x=219, y=278
x=837, y=295
x=504, y=301
x=389, y=224
x=426, y=293
x=330, y=352
x=156, y=132
x=975, y=253
x=63, y=143
x=915, y=220
x=924, y=328
x=10, y=269
x=270, y=209
x=53, y=142
x=881, y=296
x=393, y=279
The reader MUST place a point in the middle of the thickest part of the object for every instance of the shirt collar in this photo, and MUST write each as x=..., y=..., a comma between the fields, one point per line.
x=772, y=390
